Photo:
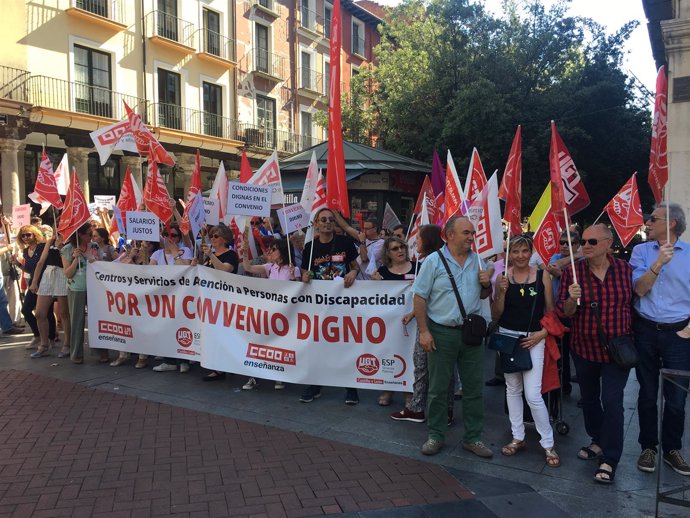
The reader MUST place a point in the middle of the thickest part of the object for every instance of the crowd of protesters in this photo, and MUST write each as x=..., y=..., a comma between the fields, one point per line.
x=576, y=307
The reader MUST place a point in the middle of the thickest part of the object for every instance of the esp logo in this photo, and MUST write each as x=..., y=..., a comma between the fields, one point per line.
x=368, y=364
x=184, y=337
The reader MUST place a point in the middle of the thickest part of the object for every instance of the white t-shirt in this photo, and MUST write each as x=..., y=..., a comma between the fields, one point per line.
x=375, y=255
x=162, y=258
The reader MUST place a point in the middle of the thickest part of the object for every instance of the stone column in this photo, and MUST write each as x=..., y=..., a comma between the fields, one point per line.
x=10, y=173
x=185, y=164
x=134, y=164
x=79, y=159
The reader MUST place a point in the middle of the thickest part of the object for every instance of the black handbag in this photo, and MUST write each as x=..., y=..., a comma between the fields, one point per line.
x=473, y=325
x=621, y=349
x=503, y=343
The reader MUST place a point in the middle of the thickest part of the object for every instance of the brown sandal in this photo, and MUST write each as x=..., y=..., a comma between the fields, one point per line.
x=552, y=458
x=513, y=447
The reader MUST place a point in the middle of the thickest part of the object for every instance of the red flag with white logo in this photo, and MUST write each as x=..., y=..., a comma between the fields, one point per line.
x=194, y=188
x=45, y=189
x=319, y=203
x=546, y=238
x=453, y=193
x=476, y=181
x=269, y=175
x=567, y=189
x=511, y=185
x=427, y=192
x=147, y=144
x=421, y=220
x=75, y=212
x=625, y=211
x=336, y=182
x=485, y=215
x=127, y=200
x=658, y=158
x=156, y=194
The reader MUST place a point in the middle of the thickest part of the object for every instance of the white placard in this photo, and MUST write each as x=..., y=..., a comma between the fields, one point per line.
x=21, y=215
x=292, y=218
x=245, y=199
x=104, y=202
x=212, y=210
x=117, y=214
x=143, y=225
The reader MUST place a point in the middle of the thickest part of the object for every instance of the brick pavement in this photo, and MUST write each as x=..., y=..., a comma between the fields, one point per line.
x=68, y=450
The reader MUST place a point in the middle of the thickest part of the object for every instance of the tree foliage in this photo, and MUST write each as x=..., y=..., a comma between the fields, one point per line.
x=450, y=75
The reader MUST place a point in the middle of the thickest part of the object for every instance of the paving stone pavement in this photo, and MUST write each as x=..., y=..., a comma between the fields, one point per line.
x=69, y=450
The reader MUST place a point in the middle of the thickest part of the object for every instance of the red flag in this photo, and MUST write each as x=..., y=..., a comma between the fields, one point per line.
x=156, y=194
x=567, y=189
x=546, y=239
x=127, y=200
x=625, y=211
x=336, y=182
x=511, y=185
x=658, y=159
x=476, y=181
x=194, y=188
x=318, y=204
x=453, y=193
x=245, y=168
x=428, y=190
x=45, y=187
x=76, y=210
x=147, y=144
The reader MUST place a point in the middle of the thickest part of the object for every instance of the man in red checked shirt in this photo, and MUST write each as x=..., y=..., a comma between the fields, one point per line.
x=605, y=286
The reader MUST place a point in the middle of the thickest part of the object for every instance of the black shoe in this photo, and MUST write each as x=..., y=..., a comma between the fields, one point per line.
x=567, y=389
x=311, y=393
x=579, y=403
x=351, y=396
x=573, y=379
x=495, y=382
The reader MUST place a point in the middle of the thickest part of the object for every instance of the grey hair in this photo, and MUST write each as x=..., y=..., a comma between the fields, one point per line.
x=605, y=229
x=674, y=212
x=451, y=222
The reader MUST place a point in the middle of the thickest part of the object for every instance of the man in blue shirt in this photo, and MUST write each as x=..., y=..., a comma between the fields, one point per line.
x=439, y=319
x=661, y=279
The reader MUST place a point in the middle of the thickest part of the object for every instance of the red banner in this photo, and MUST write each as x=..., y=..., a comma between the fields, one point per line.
x=194, y=188
x=76, y=210
x=147, y=144
x=45, y=186
x=476, y=180
x=453, y=192
x=336, y=182
x=511, y=185
x=625, y=211
x=546, y=239
x=156, y=194
x=567, y=189
x=245, y=168
x=127, y=200
x=658, y=159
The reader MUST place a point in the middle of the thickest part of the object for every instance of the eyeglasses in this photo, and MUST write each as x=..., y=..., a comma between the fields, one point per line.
x=214, y=236
x=24, y=236
x=654, y=219
x=327, y=220
x=594, y=241
x=565, y=242
x=397, y=248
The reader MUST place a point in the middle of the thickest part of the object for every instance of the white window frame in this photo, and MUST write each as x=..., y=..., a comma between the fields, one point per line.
x=330, y=6
x=361, y=26
x=224, y=101
x=326, y=77
x=314, y=63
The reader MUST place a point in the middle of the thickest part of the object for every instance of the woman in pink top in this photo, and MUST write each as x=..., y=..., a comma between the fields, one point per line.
x=279, y=268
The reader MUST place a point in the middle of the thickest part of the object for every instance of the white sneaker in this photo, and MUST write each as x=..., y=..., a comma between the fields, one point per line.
x=279, y=385
x=184, y=367
x=251, y=383
x=165, y=367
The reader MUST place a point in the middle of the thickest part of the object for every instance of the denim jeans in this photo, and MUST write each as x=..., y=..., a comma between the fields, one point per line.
x=602, y=386
x=5, y=320
x=668, y=350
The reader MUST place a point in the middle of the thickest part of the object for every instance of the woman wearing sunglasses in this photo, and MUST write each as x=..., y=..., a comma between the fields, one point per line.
x=277, y=267
x=396, y=267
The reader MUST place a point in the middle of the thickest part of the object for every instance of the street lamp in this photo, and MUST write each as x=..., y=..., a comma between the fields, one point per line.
x=109, y=171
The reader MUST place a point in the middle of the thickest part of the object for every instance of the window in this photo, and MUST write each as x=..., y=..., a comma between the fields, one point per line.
x=167, y=19
x=212, y=32
x=169, y=99
x=357, y=37
x=308, y=18
x=306, y=71
x=213, y=110
x=326, y=76
x=327, y=13
x=261, y=51
x=266, y=120
x=268, y=4
x=92, y=82
x=306, y=127
x=99, y=7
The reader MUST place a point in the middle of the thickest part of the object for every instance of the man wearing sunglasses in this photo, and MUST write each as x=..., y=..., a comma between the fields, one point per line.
x=661, y=277
x=333, y=257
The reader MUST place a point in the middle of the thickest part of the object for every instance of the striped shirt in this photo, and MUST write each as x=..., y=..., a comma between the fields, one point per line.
x=614, y=295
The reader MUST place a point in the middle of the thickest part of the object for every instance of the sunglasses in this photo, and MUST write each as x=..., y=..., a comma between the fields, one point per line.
x=594, y=241
x=565, y=242
x=24, y=236
x=327, y=220
x=214, y=236
x=397, y=248
x=654, y=219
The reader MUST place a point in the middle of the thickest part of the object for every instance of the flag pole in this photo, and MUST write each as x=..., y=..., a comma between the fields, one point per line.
x=311, y=250
x=505, y=269
x=596, y=220
x=409, y=228
x=570, y=247
x=668, y=213
x=287, y=234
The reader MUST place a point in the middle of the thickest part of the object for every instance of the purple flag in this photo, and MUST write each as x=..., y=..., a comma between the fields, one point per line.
x=438, y=176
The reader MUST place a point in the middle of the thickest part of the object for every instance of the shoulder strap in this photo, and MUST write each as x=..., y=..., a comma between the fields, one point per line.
x=534, y=301
x=452, y=282
x=594, y=304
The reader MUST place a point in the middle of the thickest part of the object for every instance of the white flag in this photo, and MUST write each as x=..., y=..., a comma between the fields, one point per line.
x=389, y=218
x=485, y=215
x=269, y=175
x=309, y=190
x=196, y=213
x=115, y=136
x=61, y=175
x=220, y=189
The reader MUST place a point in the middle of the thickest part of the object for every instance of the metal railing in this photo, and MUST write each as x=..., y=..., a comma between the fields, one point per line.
x=13, y=84
x=160, y=23
x=358, y=46
x=310, y=20
x=215, y=44
x=112, y=9
x=259, y=60
x=49, y=92
x=312, y=80
x=269, y=138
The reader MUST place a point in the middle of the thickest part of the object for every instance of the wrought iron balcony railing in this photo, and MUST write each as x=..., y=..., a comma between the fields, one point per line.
x=310, y=20
x=111, y=9
x=267, y=63
x=312, y=80
x=169, y=27
x=215, y=44
x=269, y=138
x=13, y=84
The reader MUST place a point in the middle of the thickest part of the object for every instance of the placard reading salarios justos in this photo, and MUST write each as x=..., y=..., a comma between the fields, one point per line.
x=318, y=333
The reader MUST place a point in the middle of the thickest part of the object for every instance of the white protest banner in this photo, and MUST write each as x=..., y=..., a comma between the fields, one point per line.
x=21, y=215
x=318, y=333
x=143, y=225
x=293, y=218
x=104, y=202
x=117, y=214
x=245, y=199
x=212, y=210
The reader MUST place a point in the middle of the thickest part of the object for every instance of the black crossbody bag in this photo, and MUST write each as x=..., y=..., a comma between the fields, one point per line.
x=473, y=325
x=621, y=349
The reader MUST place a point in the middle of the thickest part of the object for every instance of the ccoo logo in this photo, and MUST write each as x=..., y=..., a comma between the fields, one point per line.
x=368, y=364
x=184, y=337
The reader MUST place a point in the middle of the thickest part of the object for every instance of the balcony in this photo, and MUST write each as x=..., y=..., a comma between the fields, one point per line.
x=269, y=7
x=310, y=24
x=273, y=139
x=198, y=122
x=70, y=96
x=170, y=31
x=13, y=84
x=215, y=47
x=265, y=64
x=312, y=83
x=110, y=14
